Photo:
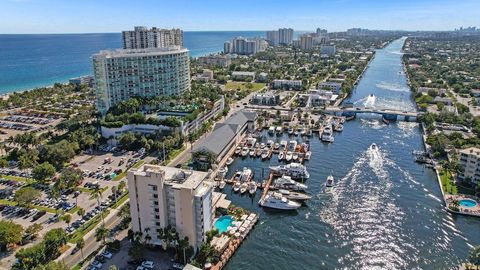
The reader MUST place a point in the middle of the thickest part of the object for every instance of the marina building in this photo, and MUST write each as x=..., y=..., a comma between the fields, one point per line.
x=122, y=74
x=165, y=196
x=470, y=165
x=142, y=37
x=245, y=46
x=213, y=148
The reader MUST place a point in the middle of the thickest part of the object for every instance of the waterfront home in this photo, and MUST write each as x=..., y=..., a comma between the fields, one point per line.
x=469, y=166
x=213, y=148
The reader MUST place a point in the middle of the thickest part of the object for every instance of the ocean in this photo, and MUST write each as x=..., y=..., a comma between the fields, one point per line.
x=29, y=61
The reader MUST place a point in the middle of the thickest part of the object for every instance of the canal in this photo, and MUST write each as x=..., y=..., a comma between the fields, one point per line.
x=385, y=212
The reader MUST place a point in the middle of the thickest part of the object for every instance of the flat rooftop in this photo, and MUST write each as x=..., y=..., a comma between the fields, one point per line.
x=140, y=52
x=176, y=177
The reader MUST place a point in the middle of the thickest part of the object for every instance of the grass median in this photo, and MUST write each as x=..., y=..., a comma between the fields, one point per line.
x=85, y=228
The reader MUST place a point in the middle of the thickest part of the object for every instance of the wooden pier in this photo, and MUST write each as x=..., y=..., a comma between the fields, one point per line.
x=267, y=185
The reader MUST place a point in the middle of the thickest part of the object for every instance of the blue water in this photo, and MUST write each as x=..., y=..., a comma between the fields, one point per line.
x=467, y=203
x=385, y=211
x=223, y=223
x=29, y=61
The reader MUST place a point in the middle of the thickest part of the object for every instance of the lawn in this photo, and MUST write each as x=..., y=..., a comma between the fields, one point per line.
x=447, y=183
x=173, y=154
x=16, y=178
x=243, y=86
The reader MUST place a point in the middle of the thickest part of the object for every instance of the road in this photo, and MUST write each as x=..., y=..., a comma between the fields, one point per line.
x=91, y=244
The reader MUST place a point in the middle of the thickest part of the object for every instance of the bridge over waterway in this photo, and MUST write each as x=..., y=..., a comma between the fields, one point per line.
x=388, y=114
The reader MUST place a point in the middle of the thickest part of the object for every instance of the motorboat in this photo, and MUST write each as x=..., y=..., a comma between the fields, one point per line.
x=222, y=172
x=252, y=153
x=238, y=150
x=271, y=130
x=305, y=147
x=373, y=146
x=308, y=155
x=251, y=142
x=276, y=146
x=236, y=187
x=309, y=132
x=294, y=170
x=243, y=187
x=222, y=184
x=288, y=156
x=247, y=175
x=252, y=187
x=342, y=120
x=290, y=131
x=296, y=196
x=329, y=184
x=281, y=156
x=229, y=161
x=292, y=145
x=283, y=145
x=278, y=130
x=270, y=143
x=296, y=132
x=265, y=153
x=286, y=182
x=245, y=151
x=276, y=200
x=338, y=127
x=258, y=152
x=327, y=134
x=303, y=131
x=295, y=156
x=237, y=176
x=262, y=145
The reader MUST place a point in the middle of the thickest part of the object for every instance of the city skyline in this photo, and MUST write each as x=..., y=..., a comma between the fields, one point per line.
x=30, y=16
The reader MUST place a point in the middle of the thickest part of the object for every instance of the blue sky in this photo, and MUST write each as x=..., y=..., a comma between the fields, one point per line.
x=88, y=16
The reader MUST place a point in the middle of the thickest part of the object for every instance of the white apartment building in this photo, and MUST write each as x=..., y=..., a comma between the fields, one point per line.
x=142, y=37
x=470, y=165
x=287, y=84
x=285, y=36
x=272, y=37
x=245, y=46
x=162, y=196
x=122, y=74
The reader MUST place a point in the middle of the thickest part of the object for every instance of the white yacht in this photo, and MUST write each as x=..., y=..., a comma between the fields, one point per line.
x=308, y=155
x=327, y=134
x=288, y=156
x=262, y=145
x=286, y=182
x=236, y=187
x=296, y=196
x=294, y=170
x=283, y=145
x=295, y=156
x=222, y=184
x=252, y=187
x=290, y=131
x=252, y=153
x=246, y=175
x=338, y=128
x=265, y=153
x=275, y=200
x=373, y=146
x=271, y=130
x=238, y=150
x=276, y=146
x=329, y=184
x=229, y=161
x=278, y=130
x=243, y=187
x=281, y=156
x=245, y=151
x=222, y=172
x=292, y=145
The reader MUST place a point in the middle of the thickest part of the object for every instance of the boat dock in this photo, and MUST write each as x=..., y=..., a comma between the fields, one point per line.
x=267, y=185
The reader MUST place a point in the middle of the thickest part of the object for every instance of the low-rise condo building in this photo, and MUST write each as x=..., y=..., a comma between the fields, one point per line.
x=165, y=196
x=470, y=165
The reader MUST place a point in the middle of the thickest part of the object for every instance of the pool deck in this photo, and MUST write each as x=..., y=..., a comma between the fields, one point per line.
x=468, y=211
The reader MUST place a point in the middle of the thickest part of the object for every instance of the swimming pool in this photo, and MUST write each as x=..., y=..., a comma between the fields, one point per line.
x=467, y=203
x=223, y=223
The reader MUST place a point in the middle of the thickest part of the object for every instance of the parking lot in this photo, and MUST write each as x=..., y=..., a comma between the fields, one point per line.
x=14, y=124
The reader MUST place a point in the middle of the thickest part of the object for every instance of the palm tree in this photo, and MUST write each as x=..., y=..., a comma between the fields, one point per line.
x=474, y=257
x=81, y=212
x=80, y=245
x=114, y=192
x=147, y=237
x=182, y=245
x=97, y=194
x=101, y=233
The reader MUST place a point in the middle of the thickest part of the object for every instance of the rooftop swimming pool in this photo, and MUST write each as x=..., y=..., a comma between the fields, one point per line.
x=467, y=203
x=223, y=223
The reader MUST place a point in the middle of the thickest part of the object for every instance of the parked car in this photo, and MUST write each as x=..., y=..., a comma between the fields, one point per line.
x=107, y=254
x=97, y=264
x=148, y=264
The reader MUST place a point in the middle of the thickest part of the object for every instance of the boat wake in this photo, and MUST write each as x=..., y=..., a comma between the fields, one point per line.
x=392, y=87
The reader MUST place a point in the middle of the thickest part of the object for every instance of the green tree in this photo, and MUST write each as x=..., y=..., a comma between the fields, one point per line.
x=10, y=233
x=53, y=240
x=25, y=196
x=81, y=212
x=43, y=172
x=67, y=218
x=136, y=251
x=97, y=194
x=52, y=266
x=101, y=234
x=474, y=256
x=80, y=244
x=34, y=229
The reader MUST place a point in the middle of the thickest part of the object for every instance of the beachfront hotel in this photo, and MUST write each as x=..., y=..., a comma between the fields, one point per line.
x=142, y=37
x=470, y=165
x=122, y=74
x=162, y=196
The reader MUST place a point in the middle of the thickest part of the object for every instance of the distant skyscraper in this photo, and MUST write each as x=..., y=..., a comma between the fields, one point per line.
x=244, y=46
x=142, y=38
x=272, y=37
x=306, y=42
x=122, y=74
x=285, y=36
